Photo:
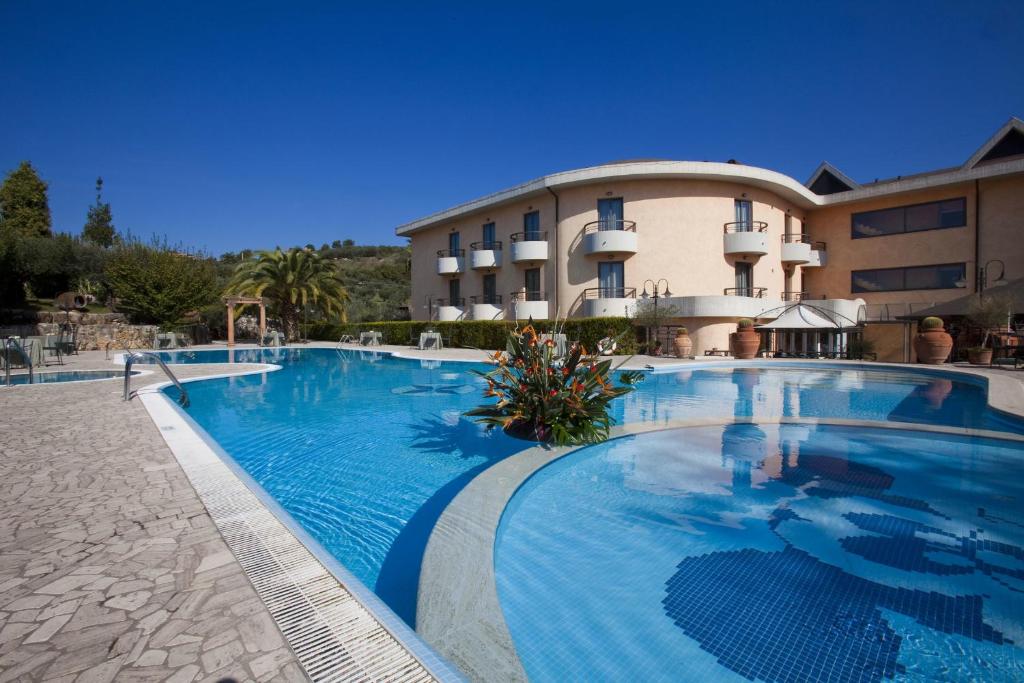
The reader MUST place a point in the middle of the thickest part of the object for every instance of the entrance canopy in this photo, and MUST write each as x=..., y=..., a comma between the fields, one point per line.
x=806, y=317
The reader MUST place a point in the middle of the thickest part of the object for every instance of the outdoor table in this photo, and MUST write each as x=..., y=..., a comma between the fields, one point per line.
x=369, y=338
x=165, y=340
x=272, y=338
x=431, y=340
x=36, y=352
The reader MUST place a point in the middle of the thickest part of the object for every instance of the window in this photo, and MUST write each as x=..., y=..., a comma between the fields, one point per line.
x=531, y=226
x=610, y=277
x=490, y=289
x=532, y=284
x=744, y=279
x=744, y=215
x=453, y=242
x=942, y=276
x=488, y=234
x=609, y=214
x=949, y=213
x=454, y=292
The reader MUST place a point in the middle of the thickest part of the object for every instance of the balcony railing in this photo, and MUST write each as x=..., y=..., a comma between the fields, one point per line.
x=529, y=236
x=492, y=299
x=609, y=293
x=486, y=246
x=601, y=226
x=794, y=296
x=746, y=226
x=755, y=292
x=796, y=239
x=528, y=296
x=461, y=301
x=818, y=246
x=443, y=253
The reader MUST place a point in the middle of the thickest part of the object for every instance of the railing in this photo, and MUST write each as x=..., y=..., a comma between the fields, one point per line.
x=755, y=292
x=442, y=253
x=133, y=356
x=601, y=226
x=528, y=296
x=461, y=301
x=25, y=356
x=535, y=236
x=486, y=246
x=794, y=296
x=609, y=293
x=796, y=239
x=818, y=246
x=493, y=299
x=746, y=226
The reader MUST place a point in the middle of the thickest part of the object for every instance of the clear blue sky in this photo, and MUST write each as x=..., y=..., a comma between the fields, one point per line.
x=225, y=126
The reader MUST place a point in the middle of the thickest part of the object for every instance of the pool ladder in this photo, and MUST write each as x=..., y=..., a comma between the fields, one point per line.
x=132, y=356
x=10, y=343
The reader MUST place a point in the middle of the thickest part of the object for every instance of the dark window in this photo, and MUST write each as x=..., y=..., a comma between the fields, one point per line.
x=454, y=290
x=531, y=225
x=532, y=284
x=490, y=288
x=744, y=215
x=453, y=241
x=744, y=279
x=488, y=236
x=943, y=276
x=949, y=213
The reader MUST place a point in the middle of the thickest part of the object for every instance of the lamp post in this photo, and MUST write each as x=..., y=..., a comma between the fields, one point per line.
x=981, y=277
x=657, y=294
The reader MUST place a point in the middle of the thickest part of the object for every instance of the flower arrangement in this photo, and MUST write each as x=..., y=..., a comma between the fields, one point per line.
x=549, y=399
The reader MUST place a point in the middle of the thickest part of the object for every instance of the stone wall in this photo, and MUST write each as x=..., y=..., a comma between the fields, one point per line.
x=95, y=330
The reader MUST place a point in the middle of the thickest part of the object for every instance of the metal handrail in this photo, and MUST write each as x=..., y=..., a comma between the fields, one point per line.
x=819, y=246
x=492, y=299
x=746, y=226
x=609, y=293
x=460, y=301
x=8, y=343
x=528, y=296
x=493, y=245
x=754, y=292
x=131, y=357
x=796, y=239
x=794, y=296
x=602, y=226
x=532, y=236
x=444, y=253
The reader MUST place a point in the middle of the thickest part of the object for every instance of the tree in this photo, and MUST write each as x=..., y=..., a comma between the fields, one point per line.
x=292, y=280
x=348, y=243
x=99, y=223
x=154, y=283
x=24, y=209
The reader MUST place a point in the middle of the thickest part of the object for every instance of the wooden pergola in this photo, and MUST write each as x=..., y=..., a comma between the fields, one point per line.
x=232, y=301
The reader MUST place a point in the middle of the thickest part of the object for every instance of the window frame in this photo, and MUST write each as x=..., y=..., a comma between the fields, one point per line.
x=904, y=208
x=853, y=274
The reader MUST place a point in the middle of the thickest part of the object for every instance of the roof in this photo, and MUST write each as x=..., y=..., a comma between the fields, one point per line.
x=1013, y=291
x=801, y=316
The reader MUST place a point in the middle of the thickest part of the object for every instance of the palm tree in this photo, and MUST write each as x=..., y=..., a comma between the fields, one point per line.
x=291, y=280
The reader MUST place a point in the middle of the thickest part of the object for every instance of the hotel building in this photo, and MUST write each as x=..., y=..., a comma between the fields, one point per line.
x=727, y=241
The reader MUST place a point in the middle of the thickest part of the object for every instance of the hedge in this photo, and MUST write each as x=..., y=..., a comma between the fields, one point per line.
x=481, y=334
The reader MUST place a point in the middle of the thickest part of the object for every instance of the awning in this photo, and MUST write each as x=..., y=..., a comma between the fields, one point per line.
x=803, y=317
x=1013, y=291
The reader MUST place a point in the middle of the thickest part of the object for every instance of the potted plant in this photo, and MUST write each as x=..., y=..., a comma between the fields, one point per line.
x=746, y=340
x=683, y=343
x=988, y=313
x=544, y=398
x=932, y=344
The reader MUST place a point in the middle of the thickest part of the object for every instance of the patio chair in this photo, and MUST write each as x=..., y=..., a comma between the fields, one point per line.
x=52, y=348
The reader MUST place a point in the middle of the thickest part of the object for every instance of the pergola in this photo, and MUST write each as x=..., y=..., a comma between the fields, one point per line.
x=232, y=301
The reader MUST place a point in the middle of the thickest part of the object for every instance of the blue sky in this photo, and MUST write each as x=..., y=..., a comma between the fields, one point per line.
x=225, y=126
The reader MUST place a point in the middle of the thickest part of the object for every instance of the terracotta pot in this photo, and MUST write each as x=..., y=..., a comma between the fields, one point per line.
x=684, y=346
x=979, y=356
x=933, y=346
x=745, y=343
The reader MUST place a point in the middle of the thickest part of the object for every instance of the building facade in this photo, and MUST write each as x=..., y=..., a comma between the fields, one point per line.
x=726, y=241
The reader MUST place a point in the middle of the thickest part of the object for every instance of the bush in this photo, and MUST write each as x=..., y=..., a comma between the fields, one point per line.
x=931, y=323
x=743, y=323
x=483, y=334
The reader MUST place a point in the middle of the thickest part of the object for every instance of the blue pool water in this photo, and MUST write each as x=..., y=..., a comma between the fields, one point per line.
x=65, y=376
x=365, y=451
x=772, y=553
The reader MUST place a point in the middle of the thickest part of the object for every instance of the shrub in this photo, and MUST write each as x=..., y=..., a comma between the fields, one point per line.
x=743, y=323
x=931, y=323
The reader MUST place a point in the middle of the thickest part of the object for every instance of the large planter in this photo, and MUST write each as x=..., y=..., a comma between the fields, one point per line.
x=979, y=356
x=684, y=345
x=520, y=429
x=933, y=346
x=745, y=343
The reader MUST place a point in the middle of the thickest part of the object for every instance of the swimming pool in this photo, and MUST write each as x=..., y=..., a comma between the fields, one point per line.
x=769, y=552
x=65, y=376
x=365, y=451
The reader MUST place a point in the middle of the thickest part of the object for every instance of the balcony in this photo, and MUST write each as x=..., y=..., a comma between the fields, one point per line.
x=794, y=296
x=746, y=238
x=526, y=305
x=487, y=307
x=485, y=255
x=451, y=261
x=609, y=237
x=450, y=309
x=817, y=257
x=617, y=302
x=529, y=247
x=753, y=292
x=796, y=249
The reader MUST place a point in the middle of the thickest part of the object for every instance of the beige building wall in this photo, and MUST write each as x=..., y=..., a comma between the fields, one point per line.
x=1002, y=225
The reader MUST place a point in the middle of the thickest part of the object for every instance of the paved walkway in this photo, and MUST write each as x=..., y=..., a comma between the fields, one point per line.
x=110, y=567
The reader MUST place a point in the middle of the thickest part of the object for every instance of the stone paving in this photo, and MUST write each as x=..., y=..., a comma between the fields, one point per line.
x=110, y=567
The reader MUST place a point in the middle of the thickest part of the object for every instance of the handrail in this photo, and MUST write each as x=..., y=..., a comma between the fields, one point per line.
x=796, y=239
x=754, y=292
x=746, y=226
x=492, y=299
x=602, y=226
x=609, y=293
x=493, y=245
x=131, y=357
x=530, y=236
x=10, y=341
x=528, y=296
x=794, y=296
x=460, y=301
x=443, y=253
x=819, y=246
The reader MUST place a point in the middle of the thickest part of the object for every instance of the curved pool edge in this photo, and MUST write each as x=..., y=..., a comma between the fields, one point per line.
x=458, y=610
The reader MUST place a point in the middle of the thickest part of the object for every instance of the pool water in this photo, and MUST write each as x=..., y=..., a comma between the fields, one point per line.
x=772, y=553
x=65, y=376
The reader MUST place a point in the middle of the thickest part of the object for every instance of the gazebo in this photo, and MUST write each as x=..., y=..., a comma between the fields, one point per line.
x=232, y=301
x=803, y=329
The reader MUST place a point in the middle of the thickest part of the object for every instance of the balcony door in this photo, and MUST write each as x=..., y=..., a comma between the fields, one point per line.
x=744, y=279
x=531, y=226
x=609, y=214
x=610, y=278
x=454, y=292
x=488, y=235
x=453, y=243
x=490, y=288
x=532, y=283
x=744, y=215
